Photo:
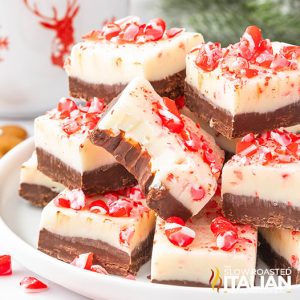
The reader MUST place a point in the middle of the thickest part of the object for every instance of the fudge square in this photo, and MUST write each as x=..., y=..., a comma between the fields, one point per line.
x=280, y=248
x=117, y=228
x=260, y=184
x=191, y=254
x=108, y=59
x=251, y=86
x=37, y=188
x=176, y=163
x=66, y=155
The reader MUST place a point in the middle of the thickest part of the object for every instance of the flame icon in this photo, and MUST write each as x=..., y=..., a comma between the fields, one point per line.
x=214, y=278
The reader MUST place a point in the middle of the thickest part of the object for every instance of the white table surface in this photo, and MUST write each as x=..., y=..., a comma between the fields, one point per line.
x=9, y=285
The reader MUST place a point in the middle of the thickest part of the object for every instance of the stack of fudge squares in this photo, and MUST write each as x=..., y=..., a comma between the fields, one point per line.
x=132, y=167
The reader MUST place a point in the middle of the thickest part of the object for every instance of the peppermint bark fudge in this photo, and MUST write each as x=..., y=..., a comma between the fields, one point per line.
x=37, y=188
x=108, y=59
x=176, y=163
x=260, y=184
x=251, y=86
x=117, y=228
x=280, y=248
x=192, y=253
x=66, y=155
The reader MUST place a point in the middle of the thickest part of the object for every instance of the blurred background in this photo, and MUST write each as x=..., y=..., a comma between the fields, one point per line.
x=37, y=35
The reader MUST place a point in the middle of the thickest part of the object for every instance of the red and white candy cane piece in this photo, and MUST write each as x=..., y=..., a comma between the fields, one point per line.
x=32, y=285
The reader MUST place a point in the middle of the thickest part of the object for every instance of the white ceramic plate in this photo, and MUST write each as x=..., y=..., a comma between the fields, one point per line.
x=19, y=225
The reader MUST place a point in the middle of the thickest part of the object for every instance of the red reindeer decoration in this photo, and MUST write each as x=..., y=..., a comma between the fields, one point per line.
x=4, y=43
x=63, y=27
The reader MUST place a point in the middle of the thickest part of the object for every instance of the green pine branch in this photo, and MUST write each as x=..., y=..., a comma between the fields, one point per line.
x=226, y=20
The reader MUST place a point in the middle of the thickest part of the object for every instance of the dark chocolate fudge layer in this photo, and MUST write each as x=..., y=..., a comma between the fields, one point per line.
x=115, y=261
x=259, y=212
x=106, y=178
x=239, y=125
x=172, y=87
x=37, y=195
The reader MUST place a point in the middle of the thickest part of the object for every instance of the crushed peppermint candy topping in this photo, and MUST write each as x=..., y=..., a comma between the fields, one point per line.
x=99, y=207
x=78, y=118
x=74, y=199
x=226, y=240
x=98, y=269
x=271, y=147
x=294, y=261
x=126, y=235
x=131, y=30
x=247, y=58
x=128, y=202
x=198, y=193
x=130, y=277
x=225, y=232
x=177, y=233
x=85, y=261
x=171, y=118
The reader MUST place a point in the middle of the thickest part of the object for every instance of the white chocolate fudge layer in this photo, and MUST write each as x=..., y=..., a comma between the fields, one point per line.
x=265, y=169
x=193, y=265
x=73, y=147
x=260, y=184
x=105, y=60
x=123, y=231
x=268, y=91
x=184, y=160
x=275, y=183
x=32, y=176
x=285, y=243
